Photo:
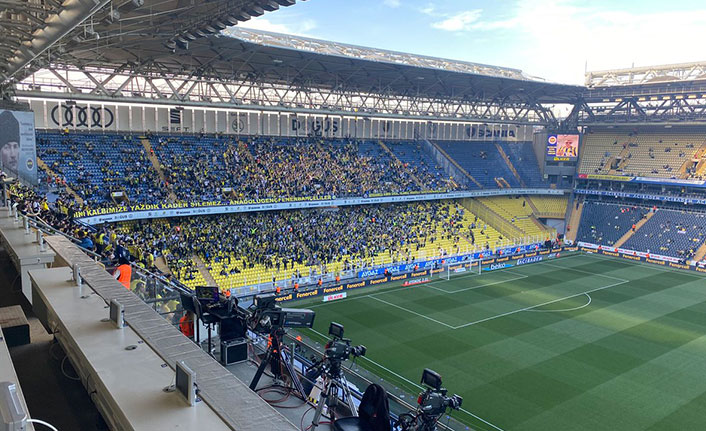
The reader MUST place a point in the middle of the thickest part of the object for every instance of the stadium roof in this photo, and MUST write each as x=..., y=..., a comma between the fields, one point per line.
x=58, y=28
x=679, y=72
x=299, y=62
x=337, y=49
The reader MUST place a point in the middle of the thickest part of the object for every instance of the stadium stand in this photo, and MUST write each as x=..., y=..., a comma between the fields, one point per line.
x=93, y=165
x=515, y=210
x=291, y=244
x=605, y=224
x=548, y=206
x=645, y=154
x=670, y=233
x=415, y=158
x=524, y=160
x=482, y=161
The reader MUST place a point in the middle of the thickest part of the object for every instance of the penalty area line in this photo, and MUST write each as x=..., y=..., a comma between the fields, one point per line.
x=540, y=305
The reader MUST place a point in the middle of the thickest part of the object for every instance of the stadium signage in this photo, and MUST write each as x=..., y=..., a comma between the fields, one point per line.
x=646, y=180
x=335, y=297
x=416, y=281
x=496, y=266
x=639, y=256
x=333, y=289
x=82, y=118
x=643, y=196
x=507, y=252
x=417, y=278
x=162, y=210
x=355, y=285
x=526, y=260
x=314, y=292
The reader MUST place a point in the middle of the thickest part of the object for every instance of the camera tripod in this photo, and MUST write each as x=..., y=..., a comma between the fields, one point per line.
x=333, y=381
x=275, y=357
x=417, y=421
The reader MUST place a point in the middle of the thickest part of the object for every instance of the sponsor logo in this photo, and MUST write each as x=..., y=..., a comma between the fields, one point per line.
x=503, y=259
x=368, y=273
x=544, y=252
x=287, y=297
x=418, y=274
x=335, y=297
x=398, y=277
x=355, y=285
x=378, y=281
x=679, y=265
x=699, y=269
x=495, y=266
x=459, y=269
x=314, y=292
x=333, y=289
x=627, y=256
x=530, y=254
x=658, y=262
x=416, y=281
x=436, y=271
x=532, y=259
x=610, y=253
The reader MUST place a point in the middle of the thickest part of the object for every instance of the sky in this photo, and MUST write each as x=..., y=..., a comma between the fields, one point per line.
x=556, y=40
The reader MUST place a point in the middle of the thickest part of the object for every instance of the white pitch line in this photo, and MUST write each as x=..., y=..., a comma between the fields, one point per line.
x=403, y=378
x=521, y=276
x=585, y=272
x=410, y=311
x=646, y=265
x=539, y=305
x=565, y=309
x=421, y=388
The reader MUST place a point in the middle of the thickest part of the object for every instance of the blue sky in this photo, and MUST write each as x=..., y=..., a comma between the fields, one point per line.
x=552, y=39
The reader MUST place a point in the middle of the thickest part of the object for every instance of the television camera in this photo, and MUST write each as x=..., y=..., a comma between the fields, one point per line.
x=264, y=316
x=335, y=389
x=432, y=403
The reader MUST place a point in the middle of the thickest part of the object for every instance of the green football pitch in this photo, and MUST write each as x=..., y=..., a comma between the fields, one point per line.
x=583, y=342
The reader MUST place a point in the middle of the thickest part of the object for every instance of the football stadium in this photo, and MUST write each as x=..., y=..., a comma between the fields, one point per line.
x=209, y=226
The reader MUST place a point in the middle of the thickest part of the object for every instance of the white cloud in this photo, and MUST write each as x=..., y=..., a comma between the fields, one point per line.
x=554, y=39
x=458, y=22
x=392, y=3
x=300, y=27
x=430, y=9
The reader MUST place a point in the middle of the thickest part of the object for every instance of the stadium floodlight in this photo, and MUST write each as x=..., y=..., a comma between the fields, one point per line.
x=270, y=6
x=286, y=2
x=256, y=11
x=219, y=25
x=242, y=16
x=208, y=29
x=199, y=33
x=189, y=36
x=231, y=20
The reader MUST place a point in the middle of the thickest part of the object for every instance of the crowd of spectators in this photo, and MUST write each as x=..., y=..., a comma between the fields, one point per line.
x=265, y=167
x=96, y=165
x=312, y=238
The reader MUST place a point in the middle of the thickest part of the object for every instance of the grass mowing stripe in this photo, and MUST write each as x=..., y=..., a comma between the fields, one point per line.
x=539, y=305
x=410, y=311
x=413, y=385
x=546, y=344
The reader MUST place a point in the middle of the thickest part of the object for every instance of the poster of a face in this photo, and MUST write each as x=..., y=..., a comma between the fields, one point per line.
x=18, y=152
